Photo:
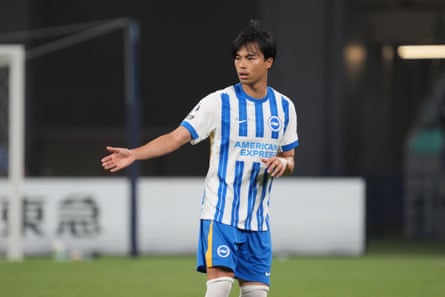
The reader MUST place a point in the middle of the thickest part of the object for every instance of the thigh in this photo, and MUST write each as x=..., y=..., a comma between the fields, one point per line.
x=255, y=258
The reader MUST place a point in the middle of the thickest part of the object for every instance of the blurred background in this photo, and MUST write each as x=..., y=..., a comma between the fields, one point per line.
x=363, y=110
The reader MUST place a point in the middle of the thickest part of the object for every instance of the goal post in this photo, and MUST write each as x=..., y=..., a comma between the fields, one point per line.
x=12, y=117
x=12, y=58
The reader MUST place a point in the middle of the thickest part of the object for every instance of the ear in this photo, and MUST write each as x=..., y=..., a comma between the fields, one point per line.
x=269, y=62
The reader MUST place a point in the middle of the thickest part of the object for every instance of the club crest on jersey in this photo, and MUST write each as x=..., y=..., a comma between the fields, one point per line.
x=274, y=123
x=223, y=251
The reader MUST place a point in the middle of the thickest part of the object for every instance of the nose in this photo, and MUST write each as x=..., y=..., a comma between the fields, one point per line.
x=242, y=63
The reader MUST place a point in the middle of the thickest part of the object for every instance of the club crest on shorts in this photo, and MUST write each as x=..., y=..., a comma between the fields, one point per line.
x=223, y=251
x=274, y=123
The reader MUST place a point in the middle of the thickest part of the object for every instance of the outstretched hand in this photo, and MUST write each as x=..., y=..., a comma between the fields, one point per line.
x=118, y=159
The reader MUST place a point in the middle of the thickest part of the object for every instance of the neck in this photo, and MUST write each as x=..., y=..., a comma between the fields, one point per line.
x=258, y=91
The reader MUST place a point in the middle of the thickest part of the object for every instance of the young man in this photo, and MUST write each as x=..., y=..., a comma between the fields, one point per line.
x=253, y=132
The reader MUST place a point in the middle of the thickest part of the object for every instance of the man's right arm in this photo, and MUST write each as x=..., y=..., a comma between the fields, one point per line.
x=163, y=144
x=120, y=158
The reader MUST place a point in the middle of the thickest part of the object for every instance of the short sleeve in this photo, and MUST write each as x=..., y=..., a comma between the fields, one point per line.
x=290, y=138
x=200, y=122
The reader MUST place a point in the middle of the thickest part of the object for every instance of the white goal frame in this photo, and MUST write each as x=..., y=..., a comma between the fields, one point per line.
x=13, y=56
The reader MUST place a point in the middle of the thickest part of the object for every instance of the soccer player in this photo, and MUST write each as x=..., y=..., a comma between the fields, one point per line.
x=253, y=132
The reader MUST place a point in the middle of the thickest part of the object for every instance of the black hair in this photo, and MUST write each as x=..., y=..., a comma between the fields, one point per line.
x=254, y=33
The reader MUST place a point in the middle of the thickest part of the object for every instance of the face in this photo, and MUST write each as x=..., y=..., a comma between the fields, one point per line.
x=251, y=66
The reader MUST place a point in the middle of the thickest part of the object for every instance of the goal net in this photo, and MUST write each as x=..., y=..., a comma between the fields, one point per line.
x=12, y=143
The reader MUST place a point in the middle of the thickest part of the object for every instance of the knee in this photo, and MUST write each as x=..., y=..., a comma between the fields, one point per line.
x=219, y=287
x=254, y=291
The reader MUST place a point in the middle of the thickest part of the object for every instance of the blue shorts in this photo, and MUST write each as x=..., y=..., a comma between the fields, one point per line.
x=247, y=253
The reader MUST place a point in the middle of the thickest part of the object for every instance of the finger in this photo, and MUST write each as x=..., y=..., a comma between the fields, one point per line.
x=271, y=169
x=282, y=169
x=116, y=168
x=112, y=149
x=279, y=171
x=276, y=168
x=276, y=171
x=108, y=166
x=106, y=159
x=108, y=163
x=267, y=162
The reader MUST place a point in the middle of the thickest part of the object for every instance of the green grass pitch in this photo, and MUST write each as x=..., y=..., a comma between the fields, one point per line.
x=387, y=270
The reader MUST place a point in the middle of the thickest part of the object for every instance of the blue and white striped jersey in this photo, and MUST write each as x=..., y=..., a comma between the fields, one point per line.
x=242, y=130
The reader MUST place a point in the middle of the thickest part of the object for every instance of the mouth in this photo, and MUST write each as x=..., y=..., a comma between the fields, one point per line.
x=243, y=75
